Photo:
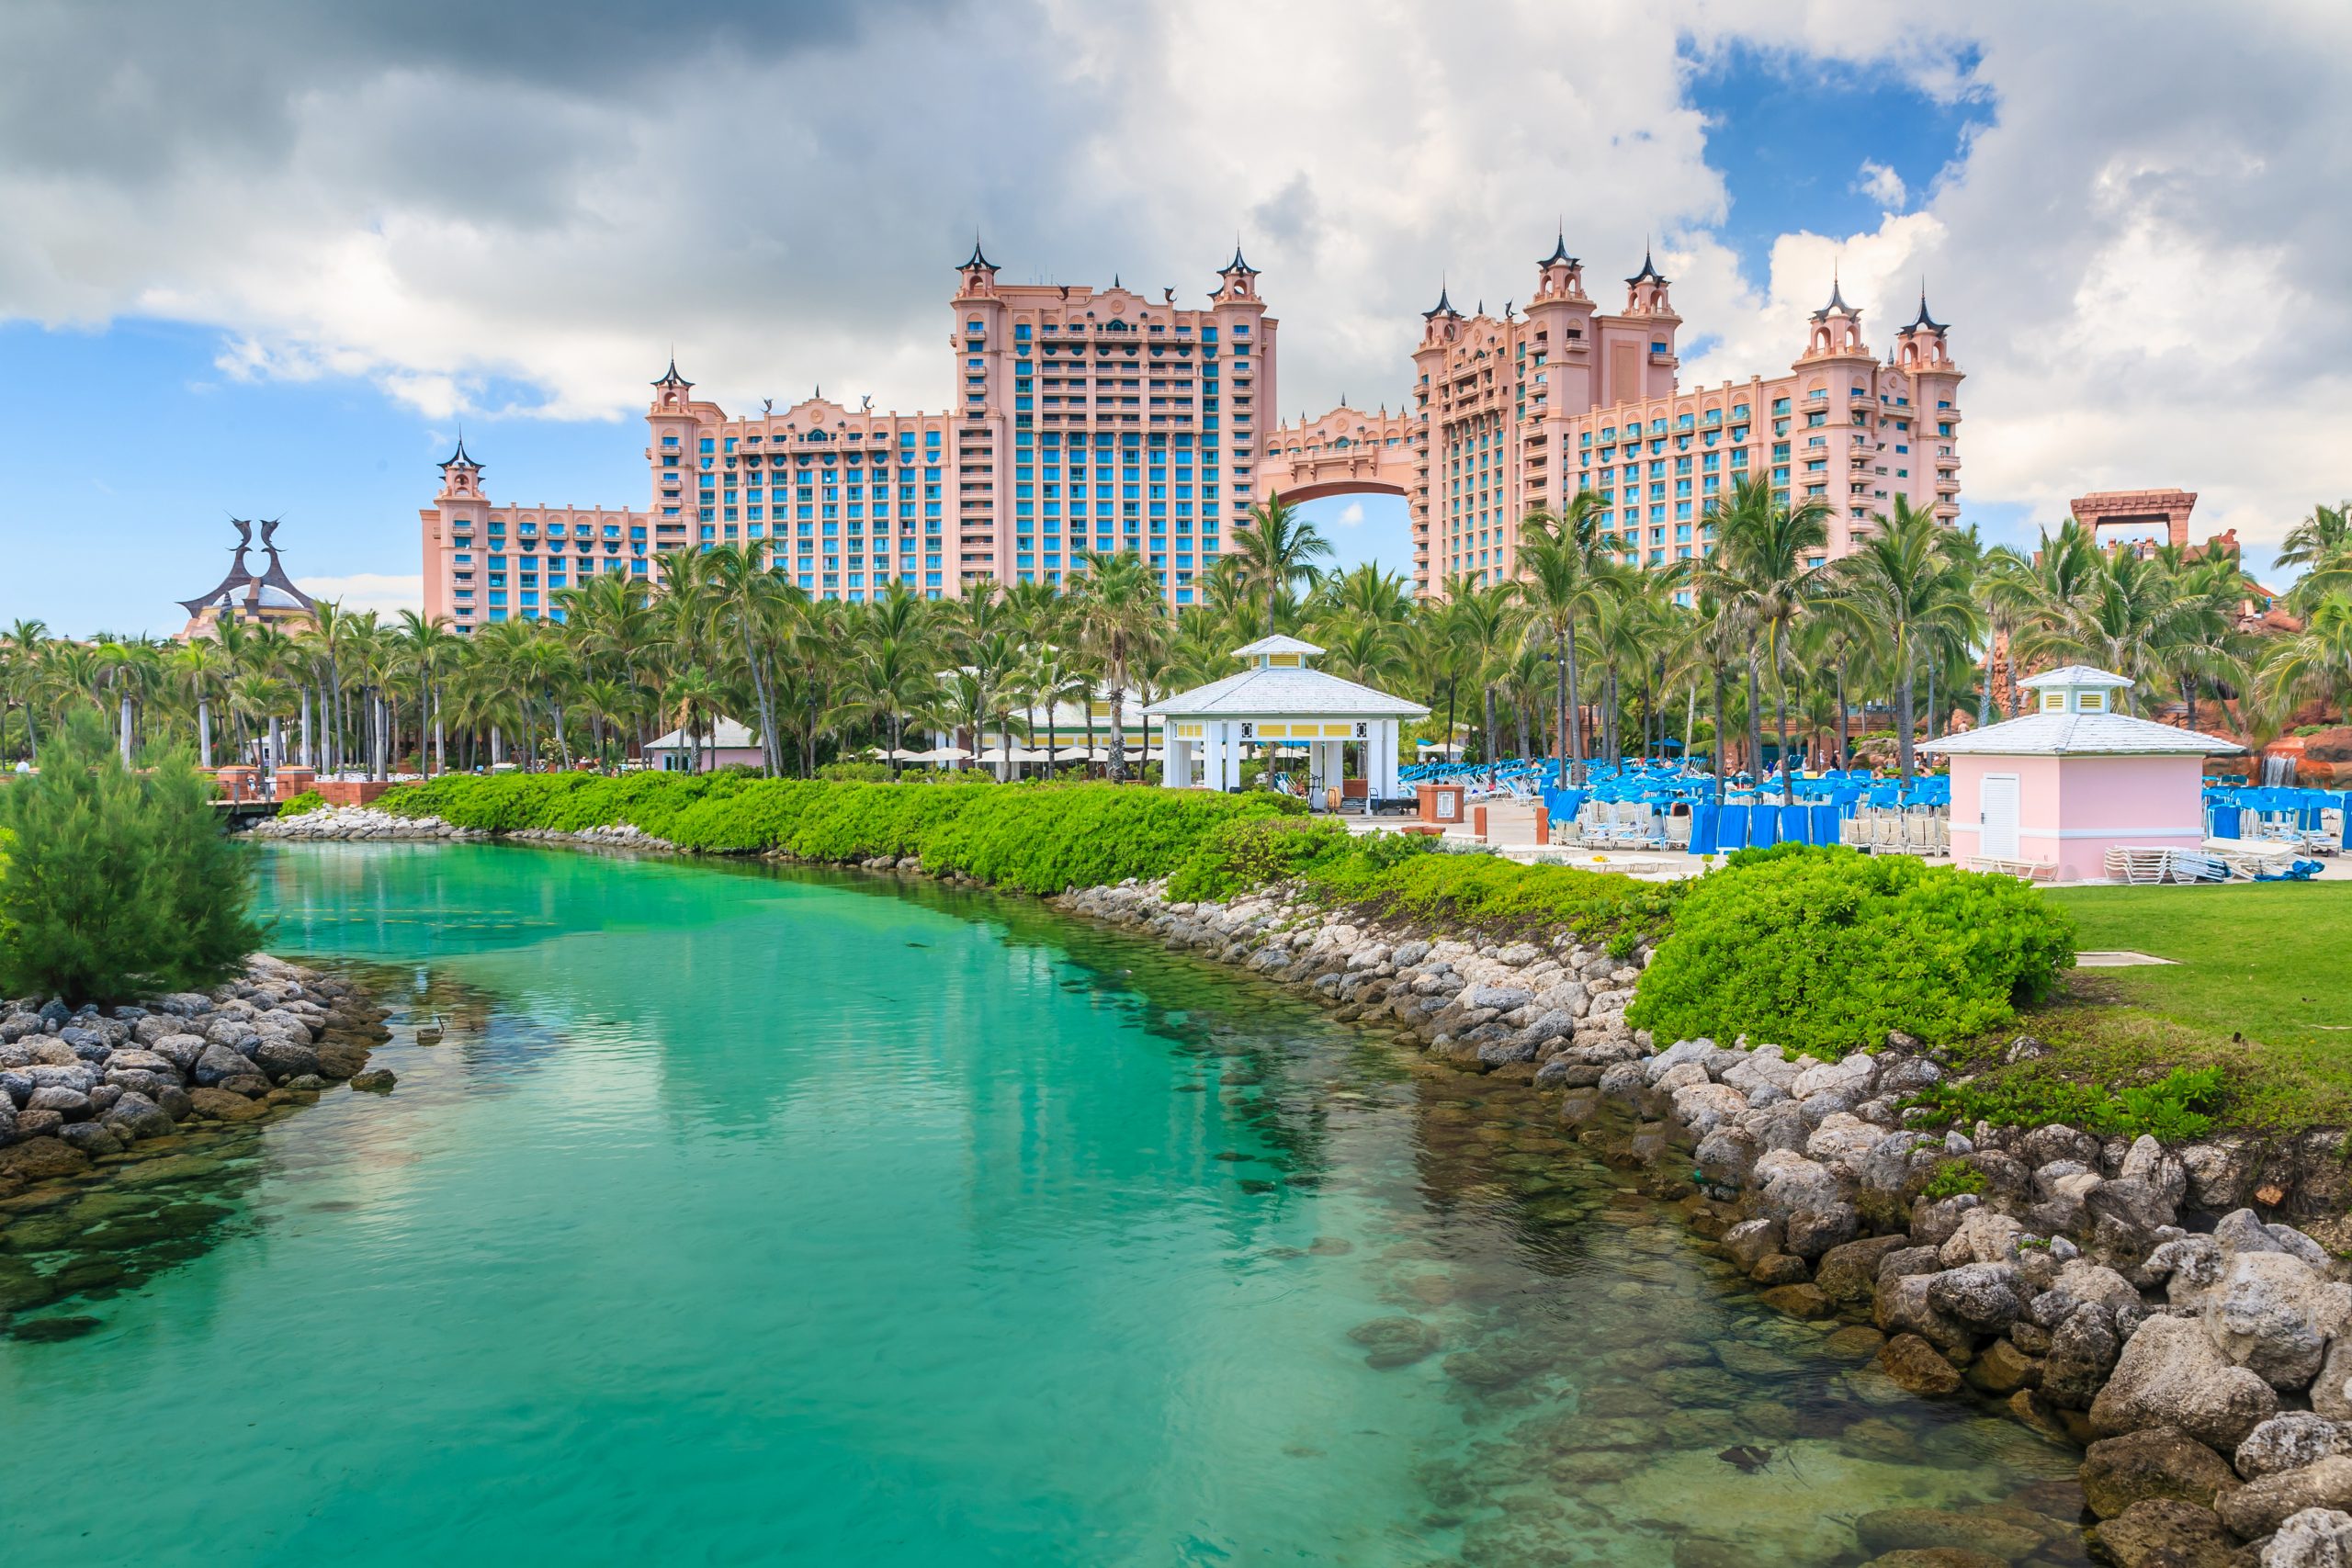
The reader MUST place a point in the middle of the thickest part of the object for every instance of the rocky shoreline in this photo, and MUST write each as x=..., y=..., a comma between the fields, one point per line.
x=86, y=1090
x=358, y=823
x=2112, y=1294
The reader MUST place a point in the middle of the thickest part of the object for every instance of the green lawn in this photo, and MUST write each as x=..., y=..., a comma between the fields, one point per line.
x=2261, y=984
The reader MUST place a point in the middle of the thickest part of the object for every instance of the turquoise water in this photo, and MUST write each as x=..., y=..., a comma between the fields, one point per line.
x=741, y=1217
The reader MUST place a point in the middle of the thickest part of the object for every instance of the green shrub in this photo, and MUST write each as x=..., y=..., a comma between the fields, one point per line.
x=1408, y=879
x=1040, y=839
x=309, y=800
x=117, y=883
x=1826, y=950
x=1950, y=1179
x=2177, y=1106
x=1248, y=852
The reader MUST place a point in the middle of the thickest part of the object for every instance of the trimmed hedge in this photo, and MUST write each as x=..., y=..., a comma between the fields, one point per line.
x=1040, y=839
x=1826, y=950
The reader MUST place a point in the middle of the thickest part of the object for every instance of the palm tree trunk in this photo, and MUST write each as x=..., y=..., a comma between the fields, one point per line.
x=1722, y=732
x=440, y=738
x=1931, y=699
x=1755, y=722
x=1780, y=702
x=204, y=732
x=1574, y=716
x=1486, y=741
x=1845, y=750
x=1903, y=716
x=1560, y=667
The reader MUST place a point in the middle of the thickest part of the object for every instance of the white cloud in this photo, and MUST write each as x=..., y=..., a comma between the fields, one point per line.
x=1882, y=185
x=384, y=593
x=2144, y=287
x=1351, y=516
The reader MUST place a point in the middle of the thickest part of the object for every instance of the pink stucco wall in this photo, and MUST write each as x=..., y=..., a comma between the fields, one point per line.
x=2072, y=810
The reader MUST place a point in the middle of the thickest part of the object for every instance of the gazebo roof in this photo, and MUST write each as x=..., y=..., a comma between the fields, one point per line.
x=2078, y=675
x=2079, y=735
x=1283, y=694
x=1277, y=644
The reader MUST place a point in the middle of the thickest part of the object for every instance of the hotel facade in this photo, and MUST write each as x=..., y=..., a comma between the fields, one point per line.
x=1523, y=411
x=1083, y=419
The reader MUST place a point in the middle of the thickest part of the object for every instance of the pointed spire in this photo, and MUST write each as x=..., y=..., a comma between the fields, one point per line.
x=1559, y=256
x=1838, y=306
x=1649, y=273
x=977, y=258
x=1924, y=321
x=1114, y=280
x=1443, y=307
x=458, y=459
x=671, y=377
x=1237, y=263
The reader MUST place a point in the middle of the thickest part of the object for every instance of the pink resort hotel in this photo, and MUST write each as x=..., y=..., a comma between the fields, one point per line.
x=1512, y=414
x=1102, y=420
x=1083, y=419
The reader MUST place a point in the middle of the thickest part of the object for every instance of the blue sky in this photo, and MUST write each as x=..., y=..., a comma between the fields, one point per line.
x=302, y=337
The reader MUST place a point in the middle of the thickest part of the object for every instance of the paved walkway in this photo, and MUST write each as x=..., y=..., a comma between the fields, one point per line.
x=1510, y=828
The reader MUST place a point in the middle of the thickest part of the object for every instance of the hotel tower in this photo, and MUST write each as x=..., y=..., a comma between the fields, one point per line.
x=1082, y=419
x=1512, y=413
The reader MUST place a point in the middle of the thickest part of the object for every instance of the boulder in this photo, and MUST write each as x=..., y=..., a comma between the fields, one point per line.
x=180, y=1050
x=2317, y=1538
x=1843, y=1137
x=2003, y=1535
x=92, y=1138
x=2163, y=1533
x=1984, y=1296
x=1702, y=1107
x=1917, y=1367
x=1750, y=1240
x=1726, y=1157
x=2156, y=1462
x=217, y=1063
x=2260, y=1506
x=41, y=1159
x=375, y=1080
x=1813, y=1232
x=138, y=1116
x=1936, y=1557
x=222, y=1105
x=1846, y=1273
x=2171, y=1374
x=1983, y=1235
x=282, y=1059
x=2004, y=1369
x=2331, y=1391
x=1906, y=1306
x=2270, y=1313
x=2289, y=1442
x=2082, y=1352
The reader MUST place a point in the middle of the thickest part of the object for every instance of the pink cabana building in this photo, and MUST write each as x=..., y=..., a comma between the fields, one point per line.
x=2050, y=794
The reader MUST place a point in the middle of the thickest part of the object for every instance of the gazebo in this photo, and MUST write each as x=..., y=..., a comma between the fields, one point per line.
x=2050, y=793
x=1281, y=699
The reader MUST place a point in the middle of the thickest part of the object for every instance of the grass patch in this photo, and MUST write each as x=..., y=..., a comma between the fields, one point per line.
x=2251, y=1026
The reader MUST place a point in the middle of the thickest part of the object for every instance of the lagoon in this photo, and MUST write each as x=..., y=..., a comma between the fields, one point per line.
x=749, y=1216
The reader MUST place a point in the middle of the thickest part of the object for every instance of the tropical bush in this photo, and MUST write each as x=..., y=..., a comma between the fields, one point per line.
x=117, y=883
x=309, y=800
x=1248, y=851
x=1039, y=839
x=1827, y=949
x=2178, y=1107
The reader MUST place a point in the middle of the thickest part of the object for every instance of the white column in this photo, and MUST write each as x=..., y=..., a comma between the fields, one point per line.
x=1385, y=735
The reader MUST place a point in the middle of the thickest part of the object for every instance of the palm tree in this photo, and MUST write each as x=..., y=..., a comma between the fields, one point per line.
x=1484, y=623
x=1762, y=562
x=1117, y=605
x=2314, y=664
x=1901, y=581
x=25, y=644
x=1277, y=549
x=1569, y=564
x=201, y=670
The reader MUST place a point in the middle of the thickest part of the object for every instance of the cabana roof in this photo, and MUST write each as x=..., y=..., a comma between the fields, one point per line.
x=1279, y=685
x=2079, y=735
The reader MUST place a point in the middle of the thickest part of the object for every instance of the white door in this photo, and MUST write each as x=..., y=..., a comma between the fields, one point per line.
x=1999, y=801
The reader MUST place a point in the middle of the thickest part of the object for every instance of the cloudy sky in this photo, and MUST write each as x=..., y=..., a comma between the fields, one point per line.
x=266, y=259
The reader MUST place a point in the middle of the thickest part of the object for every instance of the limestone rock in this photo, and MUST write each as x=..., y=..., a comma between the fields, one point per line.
x=1846, y=1273
x=2291, y=1441
x=1984, y=1296
x=223, y=1105
x=2317, y=1538
x=1917, y=1367
x=2171, y=1374
x=2163, y=1533
x=2003, y=1535
x=2260, y=1506
x=2156, y=1462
